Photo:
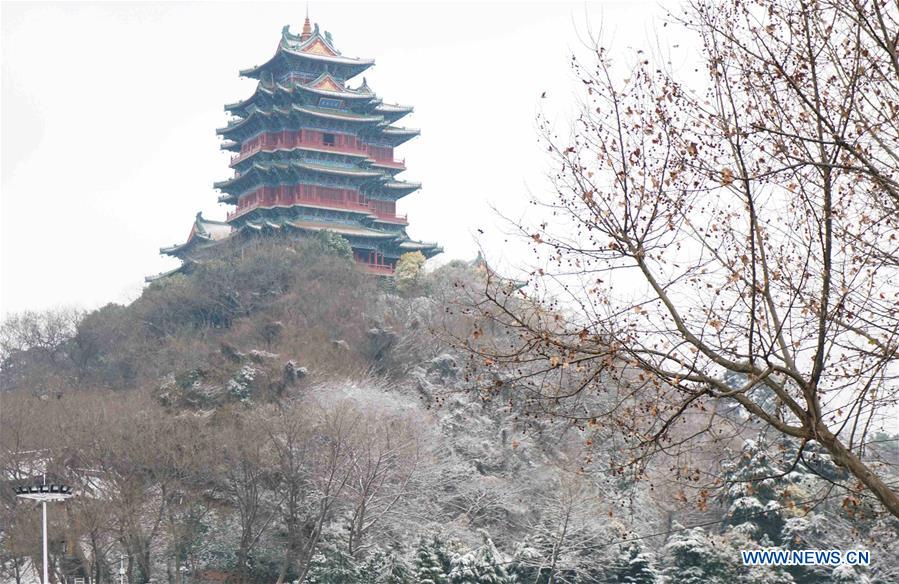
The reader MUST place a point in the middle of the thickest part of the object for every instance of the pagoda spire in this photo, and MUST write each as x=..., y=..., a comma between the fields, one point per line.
x=307, y=26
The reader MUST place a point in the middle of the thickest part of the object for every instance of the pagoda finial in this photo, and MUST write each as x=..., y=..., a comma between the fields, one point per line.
x=307, y=26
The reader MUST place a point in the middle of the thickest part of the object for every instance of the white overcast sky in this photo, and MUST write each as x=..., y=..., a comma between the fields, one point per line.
x=109, y=113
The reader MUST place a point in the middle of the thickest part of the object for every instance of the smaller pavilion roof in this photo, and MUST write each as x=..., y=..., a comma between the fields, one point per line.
x=203, y=231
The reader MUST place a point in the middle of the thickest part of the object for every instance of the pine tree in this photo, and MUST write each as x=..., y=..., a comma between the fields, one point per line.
x=394, y=570
x=484, y=565
x=333, y=566
x=371, y=570
x=692, y=557
x=386, y=568
x=333, y=243
x=736, y=541
x=753, y=498
x=428, y=566
x=527, y=561
x=848, y=575
x=635, y=566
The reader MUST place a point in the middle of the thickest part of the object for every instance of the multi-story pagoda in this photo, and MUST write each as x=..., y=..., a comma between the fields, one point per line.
x=313, y=154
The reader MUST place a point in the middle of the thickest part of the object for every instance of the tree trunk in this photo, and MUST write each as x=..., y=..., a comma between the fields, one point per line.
x=16, y=571
x=289, y=556
x=846, y=459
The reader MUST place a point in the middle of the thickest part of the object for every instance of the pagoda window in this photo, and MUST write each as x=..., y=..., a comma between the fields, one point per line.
x=381, y=153
x=329, y=139
x=384, y=207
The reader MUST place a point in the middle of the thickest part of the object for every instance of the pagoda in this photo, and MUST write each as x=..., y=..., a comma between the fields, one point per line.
x=311, y=153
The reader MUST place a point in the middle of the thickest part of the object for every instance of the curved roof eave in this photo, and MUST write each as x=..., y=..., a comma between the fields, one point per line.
x=341, y=94
x=356, y=65
x=284, y=166
x=400, y=185
x=236, y=125
x=335, y=170
x=336, y=115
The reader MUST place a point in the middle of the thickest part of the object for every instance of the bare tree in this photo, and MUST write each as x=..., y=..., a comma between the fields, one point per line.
x=313, y=464
x=729, y=243
x=33, y=348
x=387, y=453
x=45, y=331
x=568, y=529
x=331, y=471
x=246, y=470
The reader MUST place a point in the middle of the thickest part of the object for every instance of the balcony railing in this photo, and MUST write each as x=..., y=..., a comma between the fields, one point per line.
x=376, y=269
x=393, y=218
x=290, y=145
x=237, y=158
x=392, y=163
x=401, y=219
x=271, y=143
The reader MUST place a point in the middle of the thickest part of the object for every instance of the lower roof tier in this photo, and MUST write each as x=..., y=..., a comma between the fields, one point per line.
x=390, y=243
x=345, y=208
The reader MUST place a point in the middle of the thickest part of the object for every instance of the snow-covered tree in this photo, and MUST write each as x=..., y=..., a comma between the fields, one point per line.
x=635, y=565
x=734, y=541
x=386, y=567
x=484, y=565
x=333, y=566
x=848, y=575
x=527, y=562
x=429, y=568
x=754, y=494
x=394, y=570
x=693, y=557
x=332, y=243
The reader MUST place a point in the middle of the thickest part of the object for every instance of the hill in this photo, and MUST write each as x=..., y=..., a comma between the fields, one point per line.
x=274, y=415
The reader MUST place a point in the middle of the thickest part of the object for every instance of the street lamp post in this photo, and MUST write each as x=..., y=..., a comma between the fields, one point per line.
x=44, y=493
